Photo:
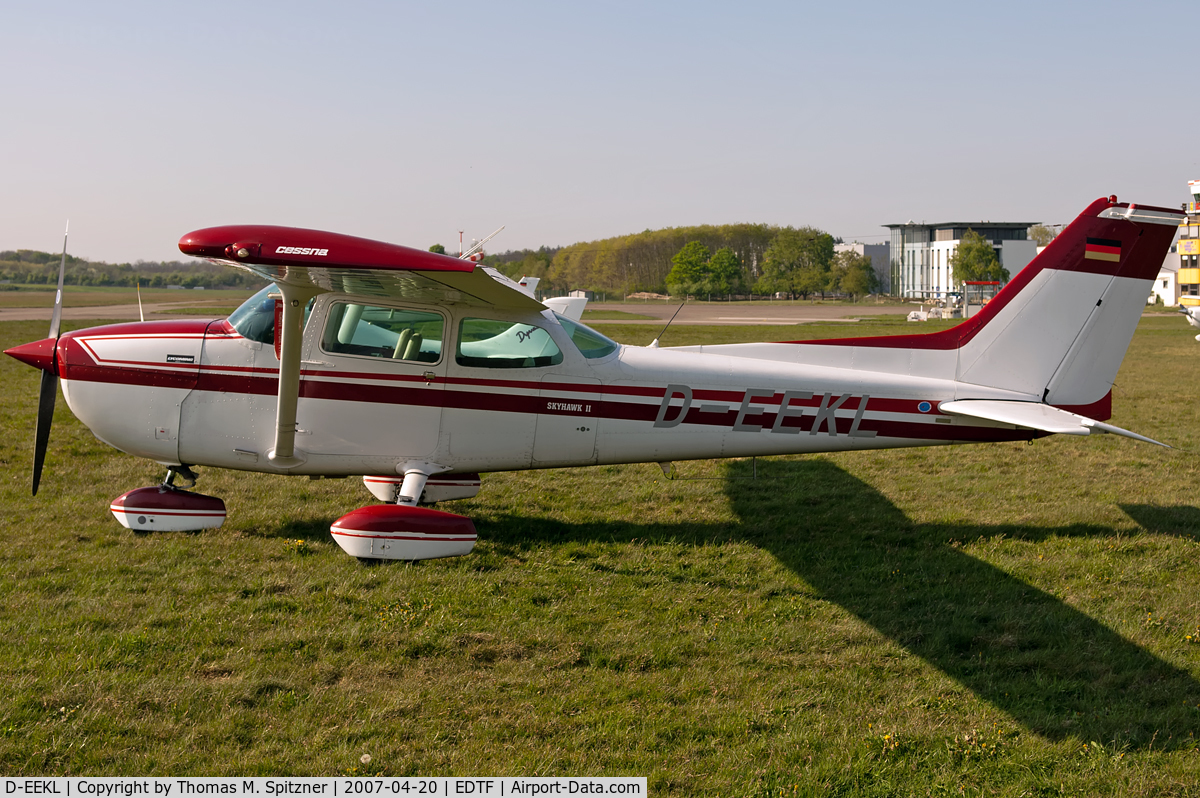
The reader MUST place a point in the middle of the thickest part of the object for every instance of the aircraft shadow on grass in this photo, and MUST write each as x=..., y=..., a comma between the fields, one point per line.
x=1052, y=668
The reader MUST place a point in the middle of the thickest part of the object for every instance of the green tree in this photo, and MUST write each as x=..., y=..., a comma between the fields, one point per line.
x=724, y=272
x=797, y=262
x=689, y=270
x=1042, y=235
x=438, y=248
x=975, y=259
x=853, y=274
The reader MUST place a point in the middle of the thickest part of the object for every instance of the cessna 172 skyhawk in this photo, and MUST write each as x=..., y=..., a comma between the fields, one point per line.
x=421, y=371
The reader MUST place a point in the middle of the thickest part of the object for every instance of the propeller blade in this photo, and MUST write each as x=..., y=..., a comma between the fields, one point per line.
x=48, y=391
x=47, y=394
x=56, y=317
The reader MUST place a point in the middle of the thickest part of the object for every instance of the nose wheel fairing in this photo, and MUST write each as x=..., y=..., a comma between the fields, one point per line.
x=167, y=509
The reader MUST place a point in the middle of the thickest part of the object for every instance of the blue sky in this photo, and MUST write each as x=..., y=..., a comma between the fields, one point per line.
x=407, y=122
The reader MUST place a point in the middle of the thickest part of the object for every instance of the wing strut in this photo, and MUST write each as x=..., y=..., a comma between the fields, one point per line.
x=284, y=454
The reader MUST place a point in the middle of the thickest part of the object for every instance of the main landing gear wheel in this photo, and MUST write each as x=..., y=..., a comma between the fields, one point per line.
x=403, y=530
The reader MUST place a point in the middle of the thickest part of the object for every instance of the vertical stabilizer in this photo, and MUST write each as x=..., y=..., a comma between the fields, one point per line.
x=1056, y=333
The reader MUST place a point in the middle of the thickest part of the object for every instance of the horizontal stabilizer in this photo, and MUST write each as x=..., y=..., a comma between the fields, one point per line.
x=569, y=306
x=1035, y=415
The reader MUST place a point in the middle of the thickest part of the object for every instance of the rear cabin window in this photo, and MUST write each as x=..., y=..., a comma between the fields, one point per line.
x=592, y=344
x=386, y=333
x=492, y=344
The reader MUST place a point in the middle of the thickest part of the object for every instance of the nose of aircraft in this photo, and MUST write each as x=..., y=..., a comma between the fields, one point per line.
x=39, y=354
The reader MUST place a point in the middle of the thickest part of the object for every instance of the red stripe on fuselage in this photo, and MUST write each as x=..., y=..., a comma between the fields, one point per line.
x=759, y=412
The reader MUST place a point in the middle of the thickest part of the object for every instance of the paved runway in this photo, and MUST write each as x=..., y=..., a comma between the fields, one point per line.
x=745, y=313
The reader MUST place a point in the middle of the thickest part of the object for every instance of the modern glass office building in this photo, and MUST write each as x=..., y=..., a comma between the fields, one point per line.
x=920, y=253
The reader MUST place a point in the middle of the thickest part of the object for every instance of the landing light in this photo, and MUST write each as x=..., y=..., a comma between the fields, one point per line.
x=240, y=250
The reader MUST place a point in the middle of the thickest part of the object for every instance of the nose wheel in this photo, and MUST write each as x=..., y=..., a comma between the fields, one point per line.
x=168, y=507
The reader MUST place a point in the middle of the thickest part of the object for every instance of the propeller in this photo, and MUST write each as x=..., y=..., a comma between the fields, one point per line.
x=48, y=391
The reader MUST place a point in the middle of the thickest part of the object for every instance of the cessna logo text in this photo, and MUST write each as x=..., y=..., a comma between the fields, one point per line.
x=301, y=251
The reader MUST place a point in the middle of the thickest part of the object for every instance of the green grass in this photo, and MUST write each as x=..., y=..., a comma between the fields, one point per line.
x=993, y=620
x=214, y=312
x=75, y=296
x=691, y=335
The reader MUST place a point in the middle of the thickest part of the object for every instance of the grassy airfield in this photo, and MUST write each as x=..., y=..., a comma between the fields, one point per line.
x=1004, y=619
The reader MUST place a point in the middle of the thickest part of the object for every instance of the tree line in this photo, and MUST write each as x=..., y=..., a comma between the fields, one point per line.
x=798, y=262
x=31, y=267
x=638, y=261
x=723, y=260
x=714, y=260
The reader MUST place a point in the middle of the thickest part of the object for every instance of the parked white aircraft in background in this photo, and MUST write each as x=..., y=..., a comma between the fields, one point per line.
x=1190, y=314
x=422, y=371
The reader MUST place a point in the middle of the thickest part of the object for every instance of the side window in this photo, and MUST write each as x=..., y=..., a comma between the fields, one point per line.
x=491, y=344
x=390, y=333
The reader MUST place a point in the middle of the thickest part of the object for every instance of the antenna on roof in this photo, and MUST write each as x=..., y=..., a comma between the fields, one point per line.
x=654, y=343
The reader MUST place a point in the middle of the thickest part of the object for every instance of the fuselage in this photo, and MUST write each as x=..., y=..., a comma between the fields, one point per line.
x=391, y=383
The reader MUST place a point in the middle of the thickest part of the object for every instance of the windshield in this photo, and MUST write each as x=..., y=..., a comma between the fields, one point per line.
x=255, y=318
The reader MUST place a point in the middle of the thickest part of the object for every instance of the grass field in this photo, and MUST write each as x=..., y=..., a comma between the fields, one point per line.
x=1004, y=619
x=42, y=296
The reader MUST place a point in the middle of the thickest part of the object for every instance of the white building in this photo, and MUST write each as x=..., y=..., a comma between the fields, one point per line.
x=878, y=253
x=1166, y=285
x=920, y=253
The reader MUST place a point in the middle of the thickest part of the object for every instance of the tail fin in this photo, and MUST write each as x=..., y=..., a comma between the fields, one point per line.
x=1059, y=330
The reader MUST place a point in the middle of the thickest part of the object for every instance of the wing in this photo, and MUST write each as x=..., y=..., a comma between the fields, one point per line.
x=334, y=262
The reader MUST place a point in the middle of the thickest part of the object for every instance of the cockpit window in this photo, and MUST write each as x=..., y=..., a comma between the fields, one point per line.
x=492, y=344
x=392, y=333
x=592, y=344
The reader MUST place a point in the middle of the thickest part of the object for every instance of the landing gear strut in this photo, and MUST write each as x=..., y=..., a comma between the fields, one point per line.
x=188, y=475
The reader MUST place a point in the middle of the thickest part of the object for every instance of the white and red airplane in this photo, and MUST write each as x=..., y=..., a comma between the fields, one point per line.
x=422, y=371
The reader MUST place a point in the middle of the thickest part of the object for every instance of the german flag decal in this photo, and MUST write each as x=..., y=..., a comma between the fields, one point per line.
x=1102, y=249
